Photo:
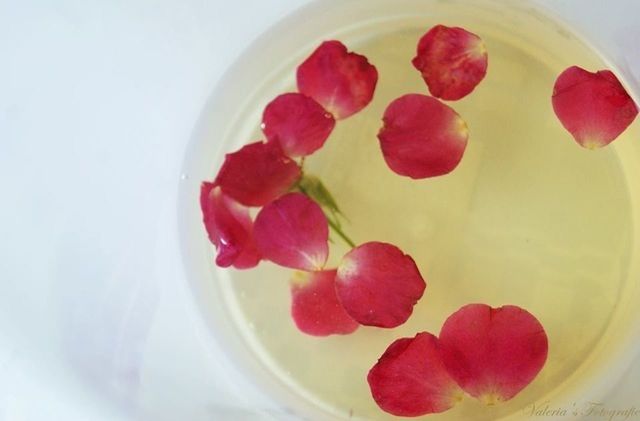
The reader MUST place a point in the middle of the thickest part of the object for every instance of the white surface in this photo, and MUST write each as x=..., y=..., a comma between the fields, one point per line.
x=97, y=102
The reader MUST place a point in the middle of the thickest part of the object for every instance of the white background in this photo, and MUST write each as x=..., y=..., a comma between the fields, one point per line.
x=98, y=100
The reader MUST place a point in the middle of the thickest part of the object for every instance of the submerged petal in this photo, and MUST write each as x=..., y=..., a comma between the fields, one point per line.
x=315, y=307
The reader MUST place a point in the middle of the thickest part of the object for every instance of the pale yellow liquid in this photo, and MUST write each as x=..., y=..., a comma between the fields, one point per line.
x=528, y=218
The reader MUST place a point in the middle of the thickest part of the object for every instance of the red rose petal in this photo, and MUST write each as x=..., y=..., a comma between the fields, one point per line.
x=293, y=232
x=422, y=137
x=315, y=307
x=378, y=284
x=229, y=228
x=298, y=123
x=410, y=378
x=493, y=353
x=342, y=82
x=257, y=174
x=452, y=61
x=594, y=107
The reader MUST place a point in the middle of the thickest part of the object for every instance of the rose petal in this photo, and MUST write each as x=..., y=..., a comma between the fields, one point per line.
x=594, y=107
x=298, y=123
x=315, y=307
x=257, y=174
x=452, y=61
x=493, y=353
x=378, y=284
x=342, y=82
x=422, y=137
x=293, y=232
x=410, y=378
x=229, y=227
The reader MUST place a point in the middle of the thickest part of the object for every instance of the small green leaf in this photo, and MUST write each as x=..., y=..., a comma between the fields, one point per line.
x=313, y=187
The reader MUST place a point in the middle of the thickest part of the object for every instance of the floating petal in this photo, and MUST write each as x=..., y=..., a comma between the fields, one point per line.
x=453, y=61
x=378, y=284
x=493, y=353
x=229, y=227
x=257, y=174
x=594, y=107
x=422, y=137
x=293, y=232
x=342, y=82
x=410, y=378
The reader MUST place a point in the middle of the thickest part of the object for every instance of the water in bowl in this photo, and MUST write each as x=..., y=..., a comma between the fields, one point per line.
x=528, y=218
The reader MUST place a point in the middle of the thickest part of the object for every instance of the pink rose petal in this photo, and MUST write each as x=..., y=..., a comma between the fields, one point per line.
x=298, y=123
x=257, y=174
x=452, y=61
x=229, y=228
x=378, y=285
x=410, y=378
x=594, y=107
x=422, y=137
x=493, y=353
x=315, y=307
x=342, y=82
x=293, y=232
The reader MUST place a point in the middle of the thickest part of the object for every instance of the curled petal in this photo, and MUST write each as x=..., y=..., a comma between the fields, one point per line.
x=378, y=284
x=293, y=232
x=257, y=174
x=422, y=137
x=229, y=227
x=315, y=307
x=410, y=378
x=594, y=107
x=298, y=123
x=342, y=82
x=453, y=61
x=493, y=353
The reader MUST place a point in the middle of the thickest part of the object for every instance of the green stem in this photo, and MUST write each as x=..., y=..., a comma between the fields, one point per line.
x=334, y=226
x=342, y=235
